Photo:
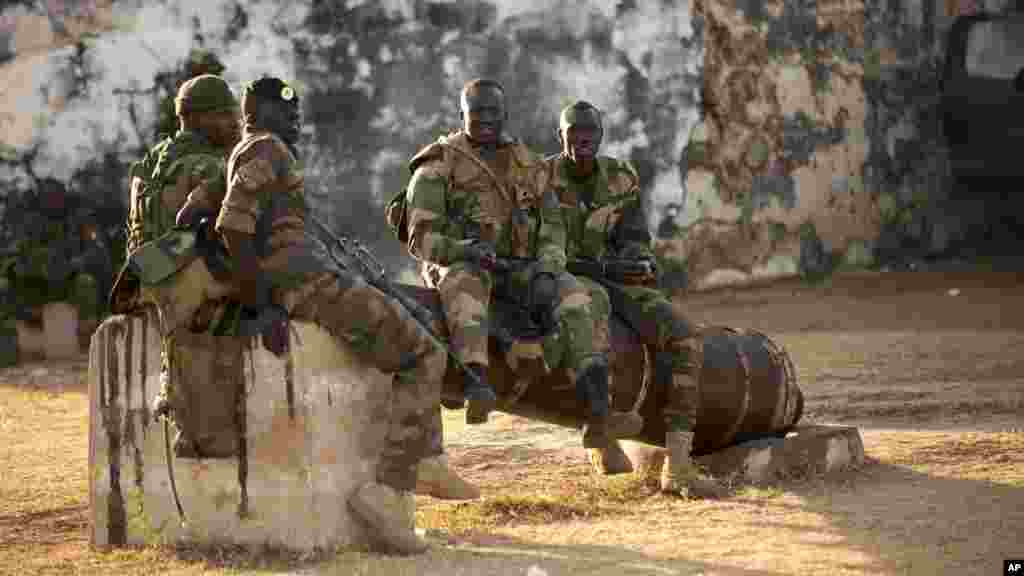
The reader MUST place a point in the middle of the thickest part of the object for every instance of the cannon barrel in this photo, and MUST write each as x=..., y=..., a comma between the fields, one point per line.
x=748, y=388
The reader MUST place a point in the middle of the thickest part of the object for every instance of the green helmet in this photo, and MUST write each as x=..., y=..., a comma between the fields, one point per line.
x=204, y=93
x=580, y=112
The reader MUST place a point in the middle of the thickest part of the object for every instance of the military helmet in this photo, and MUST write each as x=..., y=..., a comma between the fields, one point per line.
x=271, y=89
x=204, y=93
x=576, y=111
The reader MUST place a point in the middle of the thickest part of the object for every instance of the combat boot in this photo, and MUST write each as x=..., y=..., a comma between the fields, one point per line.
x=391, y=515
x=592, y=391
x=680, y=475
x=435, y=477
x=480, y=397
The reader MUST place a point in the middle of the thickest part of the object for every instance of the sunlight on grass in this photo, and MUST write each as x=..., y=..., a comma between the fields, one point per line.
x=585, y=497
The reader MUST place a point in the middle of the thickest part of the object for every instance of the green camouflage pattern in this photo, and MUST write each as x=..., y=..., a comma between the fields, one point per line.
x=265, y=198
x=205, y=93
x=453, y=201
x=154, y=262
x=183, y=168
x=179, y=169
x=604, y=214
x=604, y=219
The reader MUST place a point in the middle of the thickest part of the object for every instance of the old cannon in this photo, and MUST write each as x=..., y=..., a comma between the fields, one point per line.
x=748, y=389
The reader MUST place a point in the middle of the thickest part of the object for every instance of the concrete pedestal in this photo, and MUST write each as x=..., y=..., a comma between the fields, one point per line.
x=808, y=449
x=58, y=338
x=315, y=425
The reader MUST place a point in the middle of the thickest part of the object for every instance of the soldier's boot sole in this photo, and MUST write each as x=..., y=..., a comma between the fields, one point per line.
x=435, y=477
x=391, y=516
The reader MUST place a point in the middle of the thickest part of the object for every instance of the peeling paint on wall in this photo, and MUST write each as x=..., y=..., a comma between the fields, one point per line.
x=817, y=114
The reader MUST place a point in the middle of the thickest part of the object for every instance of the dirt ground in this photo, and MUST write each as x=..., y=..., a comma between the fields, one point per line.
x=929, y=365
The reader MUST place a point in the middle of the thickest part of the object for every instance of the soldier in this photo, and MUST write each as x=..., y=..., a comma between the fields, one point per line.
x=603, y=213
x=475, y=195
x=262, y=221
x=188, y=167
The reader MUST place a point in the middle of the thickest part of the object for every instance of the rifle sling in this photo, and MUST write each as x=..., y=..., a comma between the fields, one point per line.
x=482, y=165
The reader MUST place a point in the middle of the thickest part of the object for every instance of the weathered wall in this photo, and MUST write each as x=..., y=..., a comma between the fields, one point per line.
x=820, y=142
x=791, y=136
x=380, y=80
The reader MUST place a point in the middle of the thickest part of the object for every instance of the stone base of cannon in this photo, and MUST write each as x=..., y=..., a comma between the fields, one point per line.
x=807, y=449
x=314, y=424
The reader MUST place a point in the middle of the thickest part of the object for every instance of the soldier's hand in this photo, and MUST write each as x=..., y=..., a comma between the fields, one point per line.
x=482, y=254
x=275, y=337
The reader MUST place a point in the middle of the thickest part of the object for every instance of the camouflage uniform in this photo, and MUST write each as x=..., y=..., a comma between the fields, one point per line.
x=187, y=168
x=453, y=202
x=604, y=218
x=265, y=198
x=187, y=165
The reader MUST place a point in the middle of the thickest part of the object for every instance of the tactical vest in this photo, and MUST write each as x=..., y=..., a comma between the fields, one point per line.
x=154, y=200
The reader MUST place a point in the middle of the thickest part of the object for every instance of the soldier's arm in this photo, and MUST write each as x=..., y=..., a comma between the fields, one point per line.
x=207, y=188
x=629, y=237
x=244, y=202
x=428, y=217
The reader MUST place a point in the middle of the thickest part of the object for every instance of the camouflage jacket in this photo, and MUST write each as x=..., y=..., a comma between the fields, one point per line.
x=265, y=197
x=603, y=214
x=453, y=200
x=175, y=170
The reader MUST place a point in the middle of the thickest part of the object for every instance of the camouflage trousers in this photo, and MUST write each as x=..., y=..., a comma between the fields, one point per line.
x=202, y=378
x=674, y=338
x=380, y=332
x=465, y=297
x=582, y=316
x=583, y=331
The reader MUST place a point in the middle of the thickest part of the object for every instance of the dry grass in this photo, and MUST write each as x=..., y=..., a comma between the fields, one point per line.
x=581, y=498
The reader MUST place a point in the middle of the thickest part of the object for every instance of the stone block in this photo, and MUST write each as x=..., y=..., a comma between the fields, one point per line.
x=56, y=338
x=810, y=449
x=60, y=330
x=315, y=423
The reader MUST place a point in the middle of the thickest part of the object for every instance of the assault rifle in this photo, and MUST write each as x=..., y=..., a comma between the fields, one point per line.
x=612, y=269
x=352, y=255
